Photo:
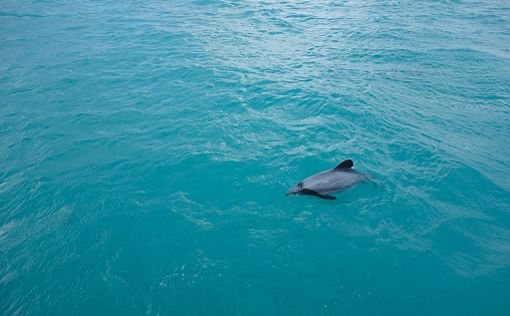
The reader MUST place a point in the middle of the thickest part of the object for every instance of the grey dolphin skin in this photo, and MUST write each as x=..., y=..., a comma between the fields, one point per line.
x=330, y=181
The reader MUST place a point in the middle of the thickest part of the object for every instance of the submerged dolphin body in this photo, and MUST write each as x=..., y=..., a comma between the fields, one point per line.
x=330, y=181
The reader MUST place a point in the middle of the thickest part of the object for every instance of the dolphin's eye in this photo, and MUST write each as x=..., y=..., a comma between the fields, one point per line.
x=300, y=185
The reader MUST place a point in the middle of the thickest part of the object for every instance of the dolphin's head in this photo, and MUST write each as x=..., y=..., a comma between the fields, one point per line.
x=295, y=189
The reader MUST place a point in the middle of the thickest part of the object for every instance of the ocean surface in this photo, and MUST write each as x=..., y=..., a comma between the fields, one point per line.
x=146, y=148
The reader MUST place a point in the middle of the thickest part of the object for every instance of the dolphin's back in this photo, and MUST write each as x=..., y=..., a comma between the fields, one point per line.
x=333, y=180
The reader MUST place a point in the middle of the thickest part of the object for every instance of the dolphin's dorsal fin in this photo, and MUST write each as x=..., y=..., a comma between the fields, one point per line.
x=346, y=164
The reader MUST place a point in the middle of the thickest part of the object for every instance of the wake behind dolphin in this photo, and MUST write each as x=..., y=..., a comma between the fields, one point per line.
x=324, y=183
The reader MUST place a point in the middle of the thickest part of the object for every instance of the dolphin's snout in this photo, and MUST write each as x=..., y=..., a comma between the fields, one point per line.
x=292, y=191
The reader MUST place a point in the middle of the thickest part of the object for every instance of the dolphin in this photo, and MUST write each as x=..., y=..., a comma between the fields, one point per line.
x=324, y=183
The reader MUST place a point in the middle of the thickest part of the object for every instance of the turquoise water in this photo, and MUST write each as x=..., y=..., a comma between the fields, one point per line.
x=146, y=148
